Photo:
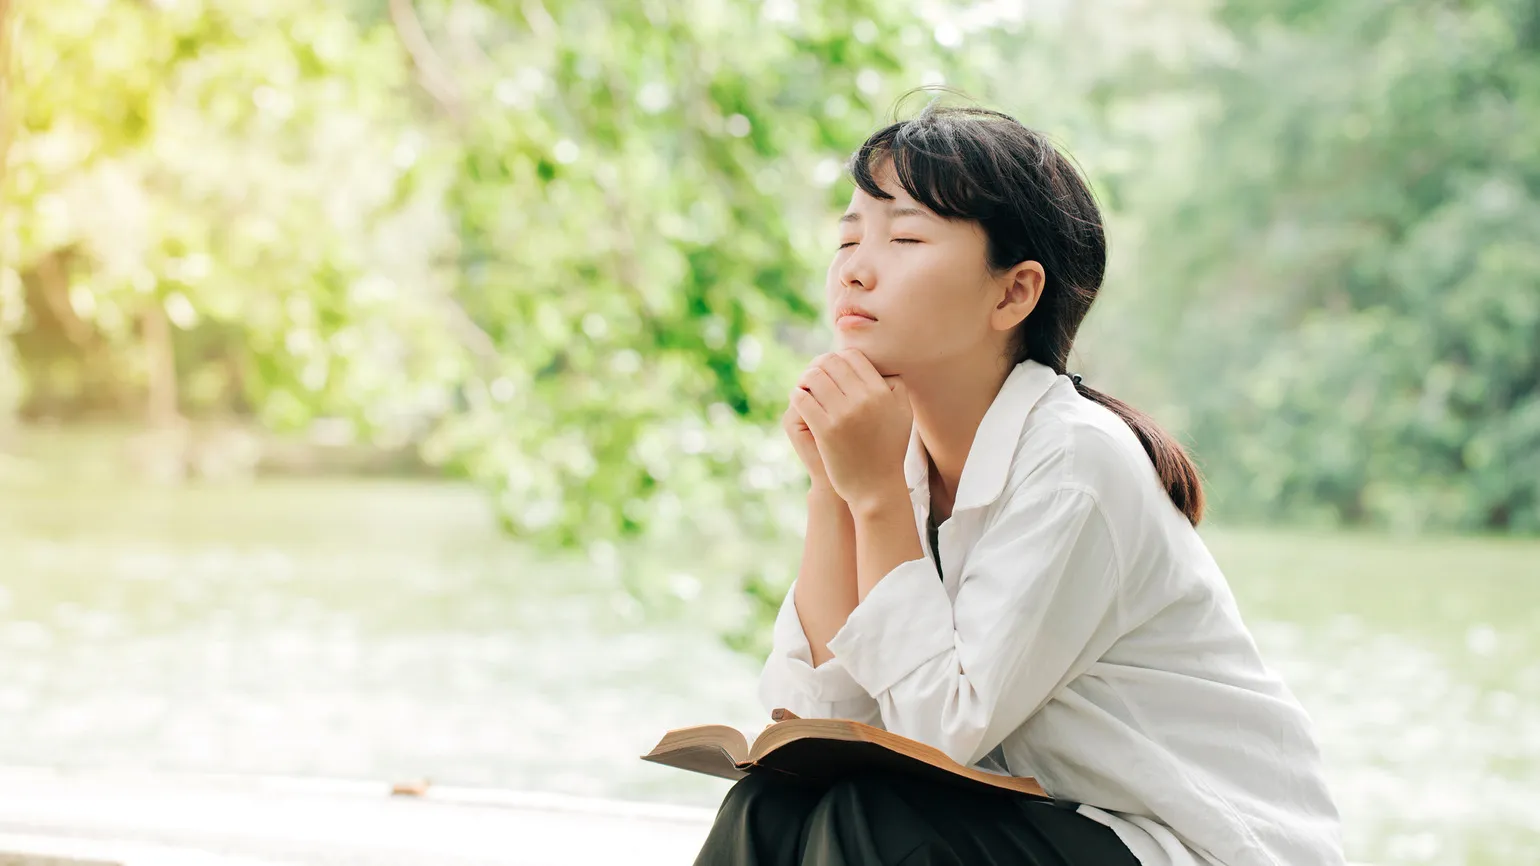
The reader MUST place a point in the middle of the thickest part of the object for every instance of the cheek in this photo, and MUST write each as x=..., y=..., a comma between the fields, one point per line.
x=946, y=311
x=934, y=290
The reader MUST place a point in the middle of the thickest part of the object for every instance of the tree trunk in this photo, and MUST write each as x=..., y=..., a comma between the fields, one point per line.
x=160, y=355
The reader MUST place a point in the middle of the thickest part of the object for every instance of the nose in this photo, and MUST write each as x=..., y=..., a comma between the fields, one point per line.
x=857, y=270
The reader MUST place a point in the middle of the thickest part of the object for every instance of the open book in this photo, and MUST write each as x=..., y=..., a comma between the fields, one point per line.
x=819, y=750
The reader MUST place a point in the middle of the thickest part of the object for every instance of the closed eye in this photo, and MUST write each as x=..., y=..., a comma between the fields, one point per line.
x=895, y=240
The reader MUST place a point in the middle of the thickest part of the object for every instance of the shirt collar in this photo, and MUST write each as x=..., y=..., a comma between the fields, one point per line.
x=988, y=464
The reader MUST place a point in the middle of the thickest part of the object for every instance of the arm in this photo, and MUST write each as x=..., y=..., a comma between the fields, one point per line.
x=1035, y=608
x=801, y=674
x=826, y=587
x=885, y=538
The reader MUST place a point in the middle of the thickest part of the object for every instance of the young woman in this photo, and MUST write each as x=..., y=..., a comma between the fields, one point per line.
x=1001, y=561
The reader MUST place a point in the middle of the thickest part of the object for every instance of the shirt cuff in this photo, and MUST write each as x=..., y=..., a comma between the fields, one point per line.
x=829, y=681
x=904, y=622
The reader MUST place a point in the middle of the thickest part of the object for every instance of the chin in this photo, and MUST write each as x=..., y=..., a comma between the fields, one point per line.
x=883, y=360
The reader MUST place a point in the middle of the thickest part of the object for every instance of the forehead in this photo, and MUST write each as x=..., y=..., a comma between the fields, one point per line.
x=900, y=206
x=887, y=180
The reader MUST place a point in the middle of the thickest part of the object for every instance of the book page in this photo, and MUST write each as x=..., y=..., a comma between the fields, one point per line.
x=715, y=750
x=711, y=760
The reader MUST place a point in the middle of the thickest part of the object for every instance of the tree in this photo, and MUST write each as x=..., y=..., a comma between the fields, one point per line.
x=572, y=248
x=204, y=214
x=1349, y=283
x=641, y=205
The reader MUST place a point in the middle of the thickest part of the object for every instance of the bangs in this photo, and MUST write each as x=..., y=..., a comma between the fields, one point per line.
x=937, y=158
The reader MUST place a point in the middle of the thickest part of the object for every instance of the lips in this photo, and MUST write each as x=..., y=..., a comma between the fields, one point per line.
x=842, y=312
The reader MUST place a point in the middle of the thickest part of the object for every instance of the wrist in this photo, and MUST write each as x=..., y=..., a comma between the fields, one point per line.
x=824, y=493
x=883, y=503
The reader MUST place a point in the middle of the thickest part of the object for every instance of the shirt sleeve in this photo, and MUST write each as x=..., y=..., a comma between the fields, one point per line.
x=1035, y=608
x=789, y=679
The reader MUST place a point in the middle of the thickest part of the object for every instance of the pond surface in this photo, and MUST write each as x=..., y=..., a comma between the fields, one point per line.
x=386, y=630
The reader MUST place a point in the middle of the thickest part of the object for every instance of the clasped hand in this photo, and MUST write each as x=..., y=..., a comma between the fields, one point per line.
x=860, y=422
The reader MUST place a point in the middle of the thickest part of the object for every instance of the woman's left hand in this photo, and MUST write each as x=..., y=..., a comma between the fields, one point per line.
x=861, y=421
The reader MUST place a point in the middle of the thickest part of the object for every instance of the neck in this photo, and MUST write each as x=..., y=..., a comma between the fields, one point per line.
x=948, y=403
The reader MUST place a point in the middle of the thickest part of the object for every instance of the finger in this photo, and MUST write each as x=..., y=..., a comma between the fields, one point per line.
x=815, y=369
x=806, y=377
x=845, y=375
x=813, y=414
x=862, y=366
x=792, y=420
x=823, y=386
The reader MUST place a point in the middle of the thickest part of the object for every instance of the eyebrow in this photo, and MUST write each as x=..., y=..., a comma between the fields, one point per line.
x=894, y=213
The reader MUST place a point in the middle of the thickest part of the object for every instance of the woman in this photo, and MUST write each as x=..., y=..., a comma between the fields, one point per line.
x=1002, y=562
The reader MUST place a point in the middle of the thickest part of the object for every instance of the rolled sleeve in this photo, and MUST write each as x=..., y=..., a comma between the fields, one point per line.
x=790, y=680
x=904, y=622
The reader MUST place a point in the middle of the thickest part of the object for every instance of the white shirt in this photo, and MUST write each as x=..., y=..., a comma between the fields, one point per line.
x=1081, y=631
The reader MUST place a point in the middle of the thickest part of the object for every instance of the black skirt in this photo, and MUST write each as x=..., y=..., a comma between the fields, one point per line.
x=878, y=819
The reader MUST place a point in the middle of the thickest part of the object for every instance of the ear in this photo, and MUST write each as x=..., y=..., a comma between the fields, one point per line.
x=1022, y=288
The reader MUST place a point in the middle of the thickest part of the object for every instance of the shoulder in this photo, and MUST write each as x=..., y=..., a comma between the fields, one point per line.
x=1074, y=450
x=1070, y=443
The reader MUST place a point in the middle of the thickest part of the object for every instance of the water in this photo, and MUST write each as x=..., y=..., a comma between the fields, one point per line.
x=386, y=630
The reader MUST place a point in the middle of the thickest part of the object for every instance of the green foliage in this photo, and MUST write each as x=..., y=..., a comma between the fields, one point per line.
x=573, y=249
x=227, y=168
x=1351, y=284
x=642, y=217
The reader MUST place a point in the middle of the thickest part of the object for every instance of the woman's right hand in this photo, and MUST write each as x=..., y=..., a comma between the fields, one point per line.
x=807, y=449
x=802, y=440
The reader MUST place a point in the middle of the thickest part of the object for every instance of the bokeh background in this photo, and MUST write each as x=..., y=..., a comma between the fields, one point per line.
x=389, y=388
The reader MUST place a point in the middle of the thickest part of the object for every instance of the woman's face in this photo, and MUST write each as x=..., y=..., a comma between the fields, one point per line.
x=922, y=279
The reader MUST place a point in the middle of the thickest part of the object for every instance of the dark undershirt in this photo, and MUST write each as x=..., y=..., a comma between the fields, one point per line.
x=935, y=546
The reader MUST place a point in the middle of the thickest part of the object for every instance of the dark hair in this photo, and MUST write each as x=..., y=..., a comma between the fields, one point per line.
x=1033, y=204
